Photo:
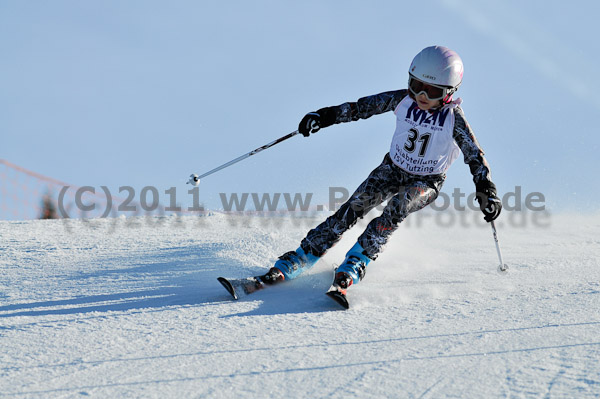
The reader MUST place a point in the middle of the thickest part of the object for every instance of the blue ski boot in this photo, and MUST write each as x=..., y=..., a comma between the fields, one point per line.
x=353, y=269
x=292, y=263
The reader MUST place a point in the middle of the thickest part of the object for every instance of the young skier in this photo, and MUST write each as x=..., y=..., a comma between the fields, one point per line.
x=430, y=130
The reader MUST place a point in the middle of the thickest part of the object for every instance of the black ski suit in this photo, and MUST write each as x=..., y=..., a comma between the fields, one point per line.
x=406, y=192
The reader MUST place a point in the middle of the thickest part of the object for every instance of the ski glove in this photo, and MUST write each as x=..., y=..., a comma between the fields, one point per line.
x=314, y=121
x=489, y=203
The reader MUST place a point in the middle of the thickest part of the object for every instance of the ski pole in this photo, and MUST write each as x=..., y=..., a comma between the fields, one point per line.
x=502, y=268
x=195, y=179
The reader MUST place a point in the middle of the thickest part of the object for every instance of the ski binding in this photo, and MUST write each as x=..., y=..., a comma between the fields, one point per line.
x=238, y=288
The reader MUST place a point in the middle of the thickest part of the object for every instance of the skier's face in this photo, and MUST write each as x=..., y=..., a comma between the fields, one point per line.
x=425, y=103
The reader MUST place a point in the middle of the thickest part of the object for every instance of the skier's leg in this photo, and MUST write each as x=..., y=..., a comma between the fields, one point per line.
x=410, y=199
x=377, y=188
x=380, y=185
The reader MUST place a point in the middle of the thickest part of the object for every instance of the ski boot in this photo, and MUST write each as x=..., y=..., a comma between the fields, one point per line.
x=351, y=271
x=292, y=263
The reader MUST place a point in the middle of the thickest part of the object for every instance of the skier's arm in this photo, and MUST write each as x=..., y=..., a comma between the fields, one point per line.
x=368, y=106
x=480, y=169
x=465, y=138
x=364, y=108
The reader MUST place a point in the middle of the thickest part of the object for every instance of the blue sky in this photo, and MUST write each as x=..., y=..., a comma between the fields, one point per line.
x=143, y=93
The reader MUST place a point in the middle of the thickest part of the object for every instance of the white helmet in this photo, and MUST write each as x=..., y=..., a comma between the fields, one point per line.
x=437, y=66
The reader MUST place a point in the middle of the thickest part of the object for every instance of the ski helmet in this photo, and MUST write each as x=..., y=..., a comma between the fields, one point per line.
x=439, y=67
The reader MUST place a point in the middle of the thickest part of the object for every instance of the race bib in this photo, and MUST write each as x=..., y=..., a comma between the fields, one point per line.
x=423, y=142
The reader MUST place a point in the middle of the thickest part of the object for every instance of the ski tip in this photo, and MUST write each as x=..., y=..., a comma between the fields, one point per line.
x=339, y=297
x=225, y=283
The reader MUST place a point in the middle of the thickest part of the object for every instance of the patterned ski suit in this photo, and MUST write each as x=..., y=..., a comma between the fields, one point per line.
x=391, y=181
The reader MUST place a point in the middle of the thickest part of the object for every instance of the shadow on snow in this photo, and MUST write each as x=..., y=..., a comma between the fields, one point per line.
x=175, y=277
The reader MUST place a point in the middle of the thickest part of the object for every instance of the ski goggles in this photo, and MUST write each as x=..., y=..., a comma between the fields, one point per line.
x=433, y=92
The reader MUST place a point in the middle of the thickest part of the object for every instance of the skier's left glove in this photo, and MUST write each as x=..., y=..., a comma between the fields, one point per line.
x=489, y=203
x=314, y=121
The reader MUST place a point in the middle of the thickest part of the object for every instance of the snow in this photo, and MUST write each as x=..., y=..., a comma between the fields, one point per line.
x=131, y=308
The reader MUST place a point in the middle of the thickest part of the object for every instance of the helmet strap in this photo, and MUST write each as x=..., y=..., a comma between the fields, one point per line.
x=448, y=98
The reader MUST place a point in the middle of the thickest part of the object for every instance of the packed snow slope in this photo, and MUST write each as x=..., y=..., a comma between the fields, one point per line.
x=131, y=308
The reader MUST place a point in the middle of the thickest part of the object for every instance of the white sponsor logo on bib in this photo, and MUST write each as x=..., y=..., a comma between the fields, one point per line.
x=423, y=142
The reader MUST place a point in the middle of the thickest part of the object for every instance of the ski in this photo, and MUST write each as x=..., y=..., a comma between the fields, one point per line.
x=238, y=288
x=245, y=286
x=337, y=293
x=339, y=296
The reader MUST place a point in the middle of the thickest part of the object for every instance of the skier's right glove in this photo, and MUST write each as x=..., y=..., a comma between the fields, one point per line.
x=489, y=203
x=314, y=121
